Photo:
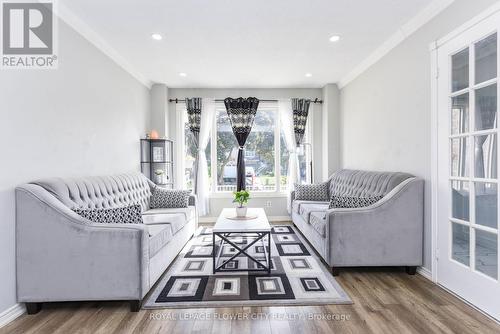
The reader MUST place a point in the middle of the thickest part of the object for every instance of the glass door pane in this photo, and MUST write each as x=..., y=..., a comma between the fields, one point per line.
x=485, y=156
x=486, y=250
x=460, y=250
x=460, y=114
x=460, y=70
x=460, y=200
x=486, y=108
x=486, y=199
x=486, y=59
x=460, y=157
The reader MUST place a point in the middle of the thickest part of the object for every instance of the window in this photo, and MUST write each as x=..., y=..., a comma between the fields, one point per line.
x=259, y=152
x=226, y=151
x=266, y=155
x=304, y=154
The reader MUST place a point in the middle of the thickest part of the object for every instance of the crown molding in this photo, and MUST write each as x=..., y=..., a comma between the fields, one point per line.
x=405, y=31
x=65, y=14
x=492, y=10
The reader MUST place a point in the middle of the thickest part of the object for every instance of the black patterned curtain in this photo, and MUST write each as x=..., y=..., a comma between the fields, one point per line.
x=300, y=108
x=241, y=113
x=193, y=106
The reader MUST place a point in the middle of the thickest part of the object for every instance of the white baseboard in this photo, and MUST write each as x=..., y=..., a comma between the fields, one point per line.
x=425, y=273
x=11, y=314
x=270, y=218
x=279, y=218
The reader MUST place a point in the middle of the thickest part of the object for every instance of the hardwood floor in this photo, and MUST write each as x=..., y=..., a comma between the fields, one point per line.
x=385, y=300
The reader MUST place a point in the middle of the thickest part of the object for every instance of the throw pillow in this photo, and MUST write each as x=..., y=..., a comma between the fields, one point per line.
x=312, y=192
x=131, y=214
x=352, y=201
x=167, y=198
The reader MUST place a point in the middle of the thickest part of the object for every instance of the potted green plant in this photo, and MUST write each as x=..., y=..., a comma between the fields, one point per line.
x=241, y=197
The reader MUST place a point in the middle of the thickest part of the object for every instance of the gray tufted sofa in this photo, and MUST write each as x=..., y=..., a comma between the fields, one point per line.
x=62, y=256
x=387, y=233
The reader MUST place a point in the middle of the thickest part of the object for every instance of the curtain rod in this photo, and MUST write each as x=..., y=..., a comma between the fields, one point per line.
x=316, y=100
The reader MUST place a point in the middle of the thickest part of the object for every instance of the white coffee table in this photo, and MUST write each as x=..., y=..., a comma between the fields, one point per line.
x=257, y=228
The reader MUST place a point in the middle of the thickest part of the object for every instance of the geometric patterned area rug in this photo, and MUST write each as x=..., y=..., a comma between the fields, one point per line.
x=297, y=276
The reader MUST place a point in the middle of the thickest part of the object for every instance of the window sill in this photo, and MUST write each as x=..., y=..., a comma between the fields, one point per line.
x=254, y=194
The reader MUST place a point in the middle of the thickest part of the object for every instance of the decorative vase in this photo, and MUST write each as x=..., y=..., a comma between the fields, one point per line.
x=241, y=211
x=159, y=179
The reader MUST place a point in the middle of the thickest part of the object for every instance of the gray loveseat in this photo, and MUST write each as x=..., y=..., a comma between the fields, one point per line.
x=62, y=256
x=387, y=233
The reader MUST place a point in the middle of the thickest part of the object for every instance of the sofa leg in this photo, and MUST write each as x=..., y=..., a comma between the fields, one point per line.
x=135, y=305
x=335, y=271
x=411, y=270
x=33, y=308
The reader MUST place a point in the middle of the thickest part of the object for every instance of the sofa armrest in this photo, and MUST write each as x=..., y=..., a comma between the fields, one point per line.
x=193, y=201
x=63, y=256
x=389, y=232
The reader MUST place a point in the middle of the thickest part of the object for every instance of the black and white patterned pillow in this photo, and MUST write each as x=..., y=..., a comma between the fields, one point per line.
x=312, y=192
x=131, y=214
x=167, y=198
x=352, y=201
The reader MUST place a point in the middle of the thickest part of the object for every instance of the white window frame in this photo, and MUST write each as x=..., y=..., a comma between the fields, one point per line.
x=181, y=117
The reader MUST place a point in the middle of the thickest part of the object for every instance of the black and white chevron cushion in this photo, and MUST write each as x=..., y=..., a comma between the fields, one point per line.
x=312, y=192
x=167, y=198
x=131, y=214
x=352, y=201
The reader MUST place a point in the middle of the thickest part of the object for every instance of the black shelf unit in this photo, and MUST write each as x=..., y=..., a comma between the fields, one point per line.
x=157, y=161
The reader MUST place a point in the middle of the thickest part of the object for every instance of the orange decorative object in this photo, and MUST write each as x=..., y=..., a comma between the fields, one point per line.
x=154, y=134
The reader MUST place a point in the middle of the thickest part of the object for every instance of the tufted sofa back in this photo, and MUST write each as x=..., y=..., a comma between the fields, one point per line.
x=100, y=191
x=358, y=183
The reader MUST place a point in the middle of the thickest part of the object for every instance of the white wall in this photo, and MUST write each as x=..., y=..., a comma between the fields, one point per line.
x=317, y=141
x=278, y=204
x=331, y=130
x=159, y=109
x=385, y=112
x=85, y=118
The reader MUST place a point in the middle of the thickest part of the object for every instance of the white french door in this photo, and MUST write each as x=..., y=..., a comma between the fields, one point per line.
x=467, y=174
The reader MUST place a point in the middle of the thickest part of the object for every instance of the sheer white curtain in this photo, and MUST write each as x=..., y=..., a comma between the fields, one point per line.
x=202, y=183
x=286, y=116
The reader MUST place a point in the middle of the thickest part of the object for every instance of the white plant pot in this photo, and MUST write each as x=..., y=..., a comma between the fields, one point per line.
x=159, y=179
x=241, y=211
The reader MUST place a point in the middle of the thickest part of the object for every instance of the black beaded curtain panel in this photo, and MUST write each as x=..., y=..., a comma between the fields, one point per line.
x=241, y=113
x=193, y=106
x=300, y=108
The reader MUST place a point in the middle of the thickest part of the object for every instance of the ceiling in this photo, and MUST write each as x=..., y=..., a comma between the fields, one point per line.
x=238, y=43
